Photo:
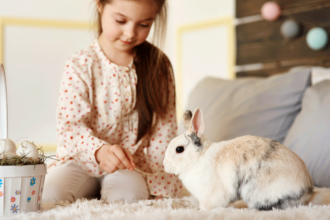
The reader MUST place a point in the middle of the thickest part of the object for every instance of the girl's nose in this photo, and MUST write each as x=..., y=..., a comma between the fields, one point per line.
x=129, y=32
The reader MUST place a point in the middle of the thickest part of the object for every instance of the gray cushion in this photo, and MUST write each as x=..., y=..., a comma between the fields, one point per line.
x=249, y=106
x=309, y=136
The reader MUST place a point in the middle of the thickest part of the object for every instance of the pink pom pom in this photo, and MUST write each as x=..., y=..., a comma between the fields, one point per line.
x=270, y=11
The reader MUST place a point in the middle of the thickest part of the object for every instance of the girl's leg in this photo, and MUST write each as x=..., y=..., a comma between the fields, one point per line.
x=124, y=185
x=68, y=182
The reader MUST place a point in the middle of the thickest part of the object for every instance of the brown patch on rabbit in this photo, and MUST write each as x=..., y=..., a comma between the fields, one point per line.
x=186, y=119
x=260, y=161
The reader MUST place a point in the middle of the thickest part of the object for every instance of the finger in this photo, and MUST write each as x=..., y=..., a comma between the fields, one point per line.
x=130, y=157
x=116, y=162
x=119, y=152
x=108, y=167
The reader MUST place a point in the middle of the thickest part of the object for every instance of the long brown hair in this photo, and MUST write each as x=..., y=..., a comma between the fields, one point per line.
x=154, y=72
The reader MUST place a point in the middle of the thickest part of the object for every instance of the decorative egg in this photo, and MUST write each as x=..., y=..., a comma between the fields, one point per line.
x=290, y=29
x=317, y=38
x=270, y=11
x=7, y=145
x=28, y=149
x=8, y=155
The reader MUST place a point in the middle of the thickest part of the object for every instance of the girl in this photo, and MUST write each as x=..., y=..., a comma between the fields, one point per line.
x=116, y=111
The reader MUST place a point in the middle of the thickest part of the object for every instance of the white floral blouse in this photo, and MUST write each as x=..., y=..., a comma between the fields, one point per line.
x=96, y=107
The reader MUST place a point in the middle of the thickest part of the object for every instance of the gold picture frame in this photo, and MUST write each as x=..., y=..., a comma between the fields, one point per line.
x=7, y=21
x=227, y=22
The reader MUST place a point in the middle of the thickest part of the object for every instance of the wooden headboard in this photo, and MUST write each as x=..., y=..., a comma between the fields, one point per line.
x=261, y=42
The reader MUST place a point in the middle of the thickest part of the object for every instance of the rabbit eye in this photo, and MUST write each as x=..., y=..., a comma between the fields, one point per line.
x=179, y=149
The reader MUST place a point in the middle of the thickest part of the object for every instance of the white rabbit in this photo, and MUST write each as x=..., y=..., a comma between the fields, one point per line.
x=260, y=171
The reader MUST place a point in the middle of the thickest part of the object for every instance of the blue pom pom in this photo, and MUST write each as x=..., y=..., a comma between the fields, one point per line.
x=317, y=38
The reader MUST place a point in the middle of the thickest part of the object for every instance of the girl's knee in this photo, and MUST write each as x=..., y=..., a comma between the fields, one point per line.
x=112, y=196
x=124, y=186
x=68, y=182
x=54, y=192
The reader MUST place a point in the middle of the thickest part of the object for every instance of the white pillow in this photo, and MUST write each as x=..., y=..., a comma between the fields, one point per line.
x=319, y=74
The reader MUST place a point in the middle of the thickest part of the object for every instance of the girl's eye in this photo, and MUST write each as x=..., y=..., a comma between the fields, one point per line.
x=144, y=25
x=179, y=149
x=120, y=22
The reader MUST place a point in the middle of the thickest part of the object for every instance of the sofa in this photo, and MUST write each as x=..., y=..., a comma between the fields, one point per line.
x=292, y=108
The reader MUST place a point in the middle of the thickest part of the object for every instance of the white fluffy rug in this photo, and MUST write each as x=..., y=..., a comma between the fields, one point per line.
x=166, y=209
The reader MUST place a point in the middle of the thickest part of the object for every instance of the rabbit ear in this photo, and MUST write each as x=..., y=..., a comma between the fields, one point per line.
x=186, y=119
x=197, y=123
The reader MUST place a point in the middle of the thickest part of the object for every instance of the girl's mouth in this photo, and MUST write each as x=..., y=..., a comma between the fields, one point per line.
x=126, y=42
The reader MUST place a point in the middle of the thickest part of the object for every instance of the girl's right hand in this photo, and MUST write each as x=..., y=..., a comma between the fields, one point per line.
x=114, y=157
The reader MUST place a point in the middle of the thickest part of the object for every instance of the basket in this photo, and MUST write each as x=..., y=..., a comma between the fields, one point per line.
x=20, y=186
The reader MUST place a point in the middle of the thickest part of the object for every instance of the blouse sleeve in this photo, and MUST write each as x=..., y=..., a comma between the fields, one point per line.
x=164, y=184
x=74, y=115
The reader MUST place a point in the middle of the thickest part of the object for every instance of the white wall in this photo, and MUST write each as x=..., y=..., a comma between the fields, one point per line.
x=35, y=56
x=76, y=10
x=34, y=65
x=205, y=51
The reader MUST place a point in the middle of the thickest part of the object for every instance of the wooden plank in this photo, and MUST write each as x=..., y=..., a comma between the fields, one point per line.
x=262, y=42
x=284, y=66
x=246, y=8
x=262, y=73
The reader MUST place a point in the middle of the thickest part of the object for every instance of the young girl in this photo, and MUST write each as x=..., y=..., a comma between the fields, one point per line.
x=116, y=111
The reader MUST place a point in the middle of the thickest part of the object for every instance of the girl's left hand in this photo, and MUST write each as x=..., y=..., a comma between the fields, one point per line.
x=159, y=197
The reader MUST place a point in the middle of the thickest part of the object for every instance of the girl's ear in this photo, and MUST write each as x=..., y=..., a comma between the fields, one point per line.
x=99, y=6
x=197, y=123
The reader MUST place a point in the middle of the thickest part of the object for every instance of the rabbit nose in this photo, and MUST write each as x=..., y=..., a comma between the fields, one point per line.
x=166, y=165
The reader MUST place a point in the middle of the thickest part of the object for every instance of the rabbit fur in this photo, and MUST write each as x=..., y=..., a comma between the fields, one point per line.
x=260, y=171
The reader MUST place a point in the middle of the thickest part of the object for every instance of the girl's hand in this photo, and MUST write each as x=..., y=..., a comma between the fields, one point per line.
x=114, y=157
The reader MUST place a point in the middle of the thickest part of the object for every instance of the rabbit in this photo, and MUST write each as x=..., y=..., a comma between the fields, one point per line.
x=260, y=171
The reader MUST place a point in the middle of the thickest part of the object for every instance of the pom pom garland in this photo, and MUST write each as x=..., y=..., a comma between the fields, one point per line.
x=270, y=11
x=290, y=29
x=317, y=38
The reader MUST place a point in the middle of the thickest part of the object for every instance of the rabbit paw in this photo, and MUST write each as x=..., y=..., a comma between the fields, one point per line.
x=205, y=205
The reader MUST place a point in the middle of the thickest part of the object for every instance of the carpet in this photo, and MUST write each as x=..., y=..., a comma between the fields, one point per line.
x=179, y=208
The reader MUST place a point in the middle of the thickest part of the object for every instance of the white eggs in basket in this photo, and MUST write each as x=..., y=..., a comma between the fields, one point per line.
x=28, y=149
x=21, y=180
x=7, y=145
x=8, y=155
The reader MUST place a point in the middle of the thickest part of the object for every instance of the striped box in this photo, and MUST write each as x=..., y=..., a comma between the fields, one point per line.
x=21, y=188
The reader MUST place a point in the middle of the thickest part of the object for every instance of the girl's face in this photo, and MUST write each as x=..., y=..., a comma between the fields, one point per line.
x=127, y=23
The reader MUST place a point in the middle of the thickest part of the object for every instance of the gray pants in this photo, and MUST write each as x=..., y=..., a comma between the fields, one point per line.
x=68, y=182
